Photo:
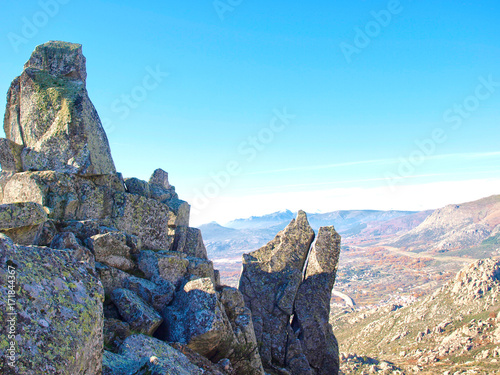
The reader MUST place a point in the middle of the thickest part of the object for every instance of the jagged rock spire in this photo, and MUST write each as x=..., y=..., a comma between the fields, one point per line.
x=288, y=280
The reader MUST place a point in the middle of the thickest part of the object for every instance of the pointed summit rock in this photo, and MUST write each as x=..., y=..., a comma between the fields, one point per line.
x=312, y=303
x=287, y=285
x=269, y=283
x=50, y=121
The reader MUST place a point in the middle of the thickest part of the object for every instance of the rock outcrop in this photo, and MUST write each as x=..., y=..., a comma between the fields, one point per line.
x=279, y=284
x=100, y=258
x=62, y=131
x=312, y=304
x=52, y=320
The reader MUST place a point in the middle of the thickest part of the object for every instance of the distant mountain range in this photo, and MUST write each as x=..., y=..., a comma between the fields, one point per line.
x=449, y=229
x=244, y=235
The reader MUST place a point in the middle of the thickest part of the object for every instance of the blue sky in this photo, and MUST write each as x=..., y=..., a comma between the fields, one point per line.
x=259, y=106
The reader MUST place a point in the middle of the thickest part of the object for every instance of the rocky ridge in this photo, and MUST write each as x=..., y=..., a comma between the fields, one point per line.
x=98, y=260
x=456, y=226
x=455, y=330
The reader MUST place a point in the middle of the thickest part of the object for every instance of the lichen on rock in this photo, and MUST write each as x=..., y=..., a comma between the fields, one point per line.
x=51, y=116
x=110, y=249
x=287, y=286
x=58, y=306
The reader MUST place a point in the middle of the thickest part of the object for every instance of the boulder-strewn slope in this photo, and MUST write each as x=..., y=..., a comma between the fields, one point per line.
x=287, y=285
x=456, y=227
x=101, y=261
x=457, y=328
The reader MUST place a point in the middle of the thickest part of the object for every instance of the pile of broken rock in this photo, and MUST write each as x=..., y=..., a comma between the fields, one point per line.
x=105, y=274
x=101, y=260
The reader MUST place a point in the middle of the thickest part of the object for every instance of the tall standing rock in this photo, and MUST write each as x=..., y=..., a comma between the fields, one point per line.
x=312, y=304
x=287, y=280
x=50, y=117
x=269, y=282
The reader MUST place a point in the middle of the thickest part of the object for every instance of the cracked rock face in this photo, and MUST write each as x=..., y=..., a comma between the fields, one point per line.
x=312, y=304
x=50, y=120
x=288, y=280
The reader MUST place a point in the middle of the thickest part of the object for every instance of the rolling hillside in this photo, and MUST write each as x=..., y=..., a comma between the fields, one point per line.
x=471, y=225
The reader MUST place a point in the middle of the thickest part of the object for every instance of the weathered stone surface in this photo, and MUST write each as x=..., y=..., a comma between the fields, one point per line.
x=111, y=278
x=217, y=278
x=285, y=279
x=68, y=196
x=68, y=241
x=158, y=293
x=134, y=243
x=46, y=233
x=116, y=364
x=199, y=268
x=22, y=221
x=153, y=222
x=110, y=310
x=245, y=356
x=138, y=187
x=115, y=332
x=59, y=311
x=159, y=357
x=296, y=360
x=168, y=265
x=208, y=367
x=4, y=178
x=25, y=214
x=10, y=155
x=197, y=318
x=57, y=158
x=181, y=210
x=65, y=240
x=160, y=177
x=111, y=249
x=142, y=287
x=312, y=304
x=163, y=294
x=161, y=194
x=59, y=59
x=50, y=114
x=25, y=187
x=190, y=242
x=141, y=317
x=269, y=282
x=85, y=229
x=171, y=362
